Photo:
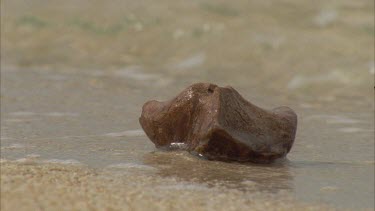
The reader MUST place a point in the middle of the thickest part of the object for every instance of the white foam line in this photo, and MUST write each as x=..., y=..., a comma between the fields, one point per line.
x=59, y=161
x=20, y=120
x=14, y=146
x=7, y=138
x=334, y=119
x=22, y=113
x=353, y=130
x=60, y=114
x=127, y=133
x=130, y=165
x=52, y=114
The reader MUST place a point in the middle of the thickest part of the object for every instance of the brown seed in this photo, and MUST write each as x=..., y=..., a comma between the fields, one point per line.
x=219, y=124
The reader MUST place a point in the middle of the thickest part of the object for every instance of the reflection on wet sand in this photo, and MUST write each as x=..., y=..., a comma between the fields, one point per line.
x=245, y=177
x=74, y=77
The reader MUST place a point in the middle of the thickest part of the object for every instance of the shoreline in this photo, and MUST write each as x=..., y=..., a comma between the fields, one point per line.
x=69, y=187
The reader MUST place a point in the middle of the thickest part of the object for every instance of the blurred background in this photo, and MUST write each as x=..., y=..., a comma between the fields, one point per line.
x=325, y=48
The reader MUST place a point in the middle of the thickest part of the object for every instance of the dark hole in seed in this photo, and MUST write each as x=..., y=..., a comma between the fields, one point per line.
x=210, y=90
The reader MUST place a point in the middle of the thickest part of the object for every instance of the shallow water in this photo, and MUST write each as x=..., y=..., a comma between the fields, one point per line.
x=70, y=121
x=80, y=105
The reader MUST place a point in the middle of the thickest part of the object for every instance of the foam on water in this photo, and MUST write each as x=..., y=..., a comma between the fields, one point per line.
x=14, y=146
x=19, y=120
x=26, y=161
x=61, y=161
x=353, y=130
x=136, y=73
x=178, y=146
x=182, y=186
x=57, y=77
x=130, y=166
x=371, y=66
x=325, y=17
x=22, y=113
x=52, y=114
x=192, y=61
x=128, y=133
x=329, y=189
x=33, y=156
x=60, y=114
x=341, y=120
x=334, y=119
x=335, y=76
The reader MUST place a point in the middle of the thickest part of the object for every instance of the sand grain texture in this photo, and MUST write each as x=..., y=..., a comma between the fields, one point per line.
x=63, y=187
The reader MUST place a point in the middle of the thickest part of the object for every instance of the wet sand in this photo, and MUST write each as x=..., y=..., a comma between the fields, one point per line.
x=66, y=187
x=72, y=122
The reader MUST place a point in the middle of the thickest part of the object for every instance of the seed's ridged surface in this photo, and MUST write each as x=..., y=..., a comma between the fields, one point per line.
x=218, y=123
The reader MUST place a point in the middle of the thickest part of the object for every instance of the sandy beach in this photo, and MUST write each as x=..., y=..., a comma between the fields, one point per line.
x=64, y=187
x=76, y=73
